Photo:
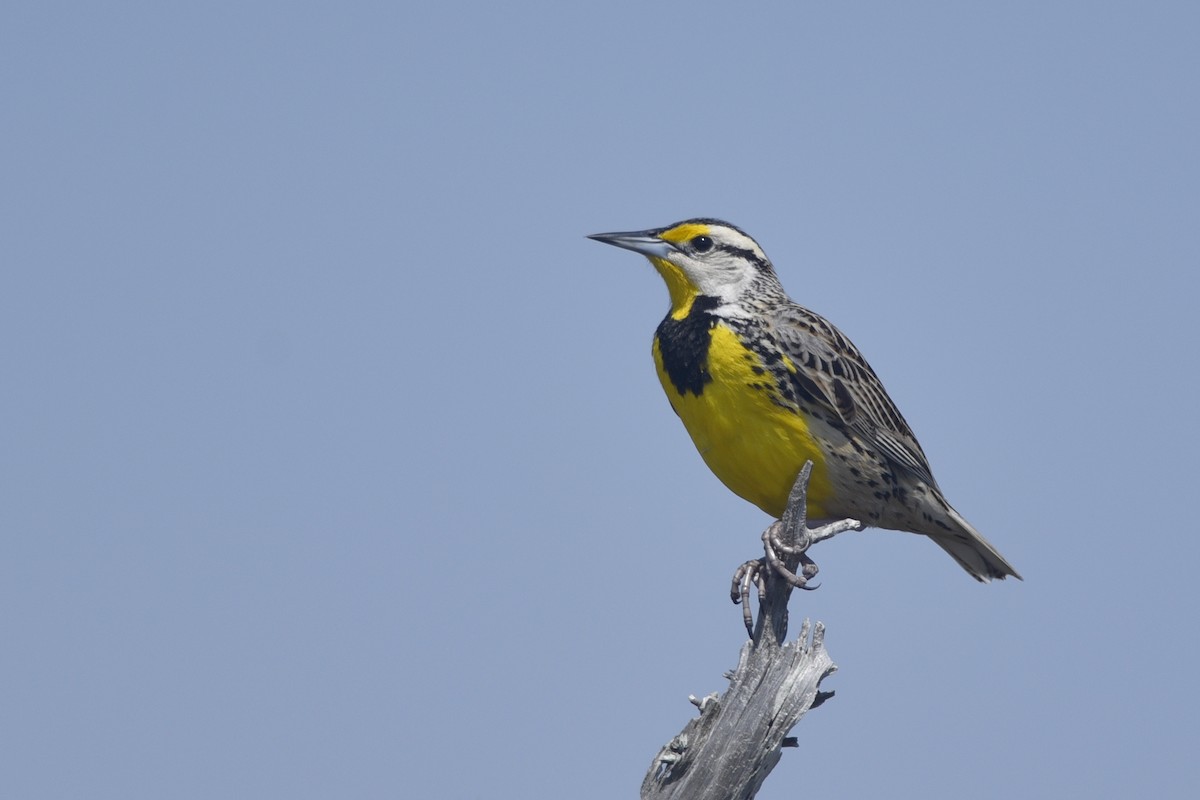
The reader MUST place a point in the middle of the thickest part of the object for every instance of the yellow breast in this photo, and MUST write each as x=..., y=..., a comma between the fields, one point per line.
x=753, y=444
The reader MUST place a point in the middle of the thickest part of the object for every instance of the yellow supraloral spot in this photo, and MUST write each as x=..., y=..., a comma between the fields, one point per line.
x=681, y=233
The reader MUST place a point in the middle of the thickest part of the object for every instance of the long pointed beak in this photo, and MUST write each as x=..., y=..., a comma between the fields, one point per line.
x=645, y=242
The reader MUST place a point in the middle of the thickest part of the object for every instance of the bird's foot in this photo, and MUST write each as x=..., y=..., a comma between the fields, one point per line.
x=785, y=545
x=777, y=551
x=754, y=572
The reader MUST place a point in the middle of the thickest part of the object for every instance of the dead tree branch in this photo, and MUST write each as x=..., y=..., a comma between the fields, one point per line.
x=727, y=752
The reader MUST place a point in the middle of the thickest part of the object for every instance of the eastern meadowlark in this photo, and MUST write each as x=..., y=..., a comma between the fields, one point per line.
x=762, y=384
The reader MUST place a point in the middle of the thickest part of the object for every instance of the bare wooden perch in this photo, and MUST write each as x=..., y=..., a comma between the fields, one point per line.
x=727, y=752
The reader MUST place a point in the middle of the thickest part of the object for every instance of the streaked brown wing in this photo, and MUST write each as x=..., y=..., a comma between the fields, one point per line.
x=833, y=374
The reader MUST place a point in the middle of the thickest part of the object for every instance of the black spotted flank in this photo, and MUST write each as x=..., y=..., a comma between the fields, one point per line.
x=683, y=346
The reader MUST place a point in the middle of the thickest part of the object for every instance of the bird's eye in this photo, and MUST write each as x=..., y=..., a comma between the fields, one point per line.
x=702, y=244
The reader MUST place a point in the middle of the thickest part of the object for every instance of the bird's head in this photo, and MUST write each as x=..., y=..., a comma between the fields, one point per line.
x=699, y=257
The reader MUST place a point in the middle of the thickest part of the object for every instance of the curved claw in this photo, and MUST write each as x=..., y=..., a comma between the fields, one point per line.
x=748, y=574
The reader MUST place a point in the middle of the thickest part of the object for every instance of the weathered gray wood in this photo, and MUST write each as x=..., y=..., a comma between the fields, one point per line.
x=727, y=752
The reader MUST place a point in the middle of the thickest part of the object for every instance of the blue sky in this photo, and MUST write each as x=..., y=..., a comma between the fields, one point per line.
x=332, y=460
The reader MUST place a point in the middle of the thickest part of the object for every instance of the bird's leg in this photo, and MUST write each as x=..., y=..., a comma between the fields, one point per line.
x=776, y=545
x=785, y=545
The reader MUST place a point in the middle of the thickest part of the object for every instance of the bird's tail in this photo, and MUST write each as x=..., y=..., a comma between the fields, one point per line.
x=973, y=552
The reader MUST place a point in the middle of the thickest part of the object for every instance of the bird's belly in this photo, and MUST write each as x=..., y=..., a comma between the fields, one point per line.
x=755, y=445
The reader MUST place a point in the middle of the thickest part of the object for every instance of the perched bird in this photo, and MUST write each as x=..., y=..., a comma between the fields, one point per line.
x=762, y=384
